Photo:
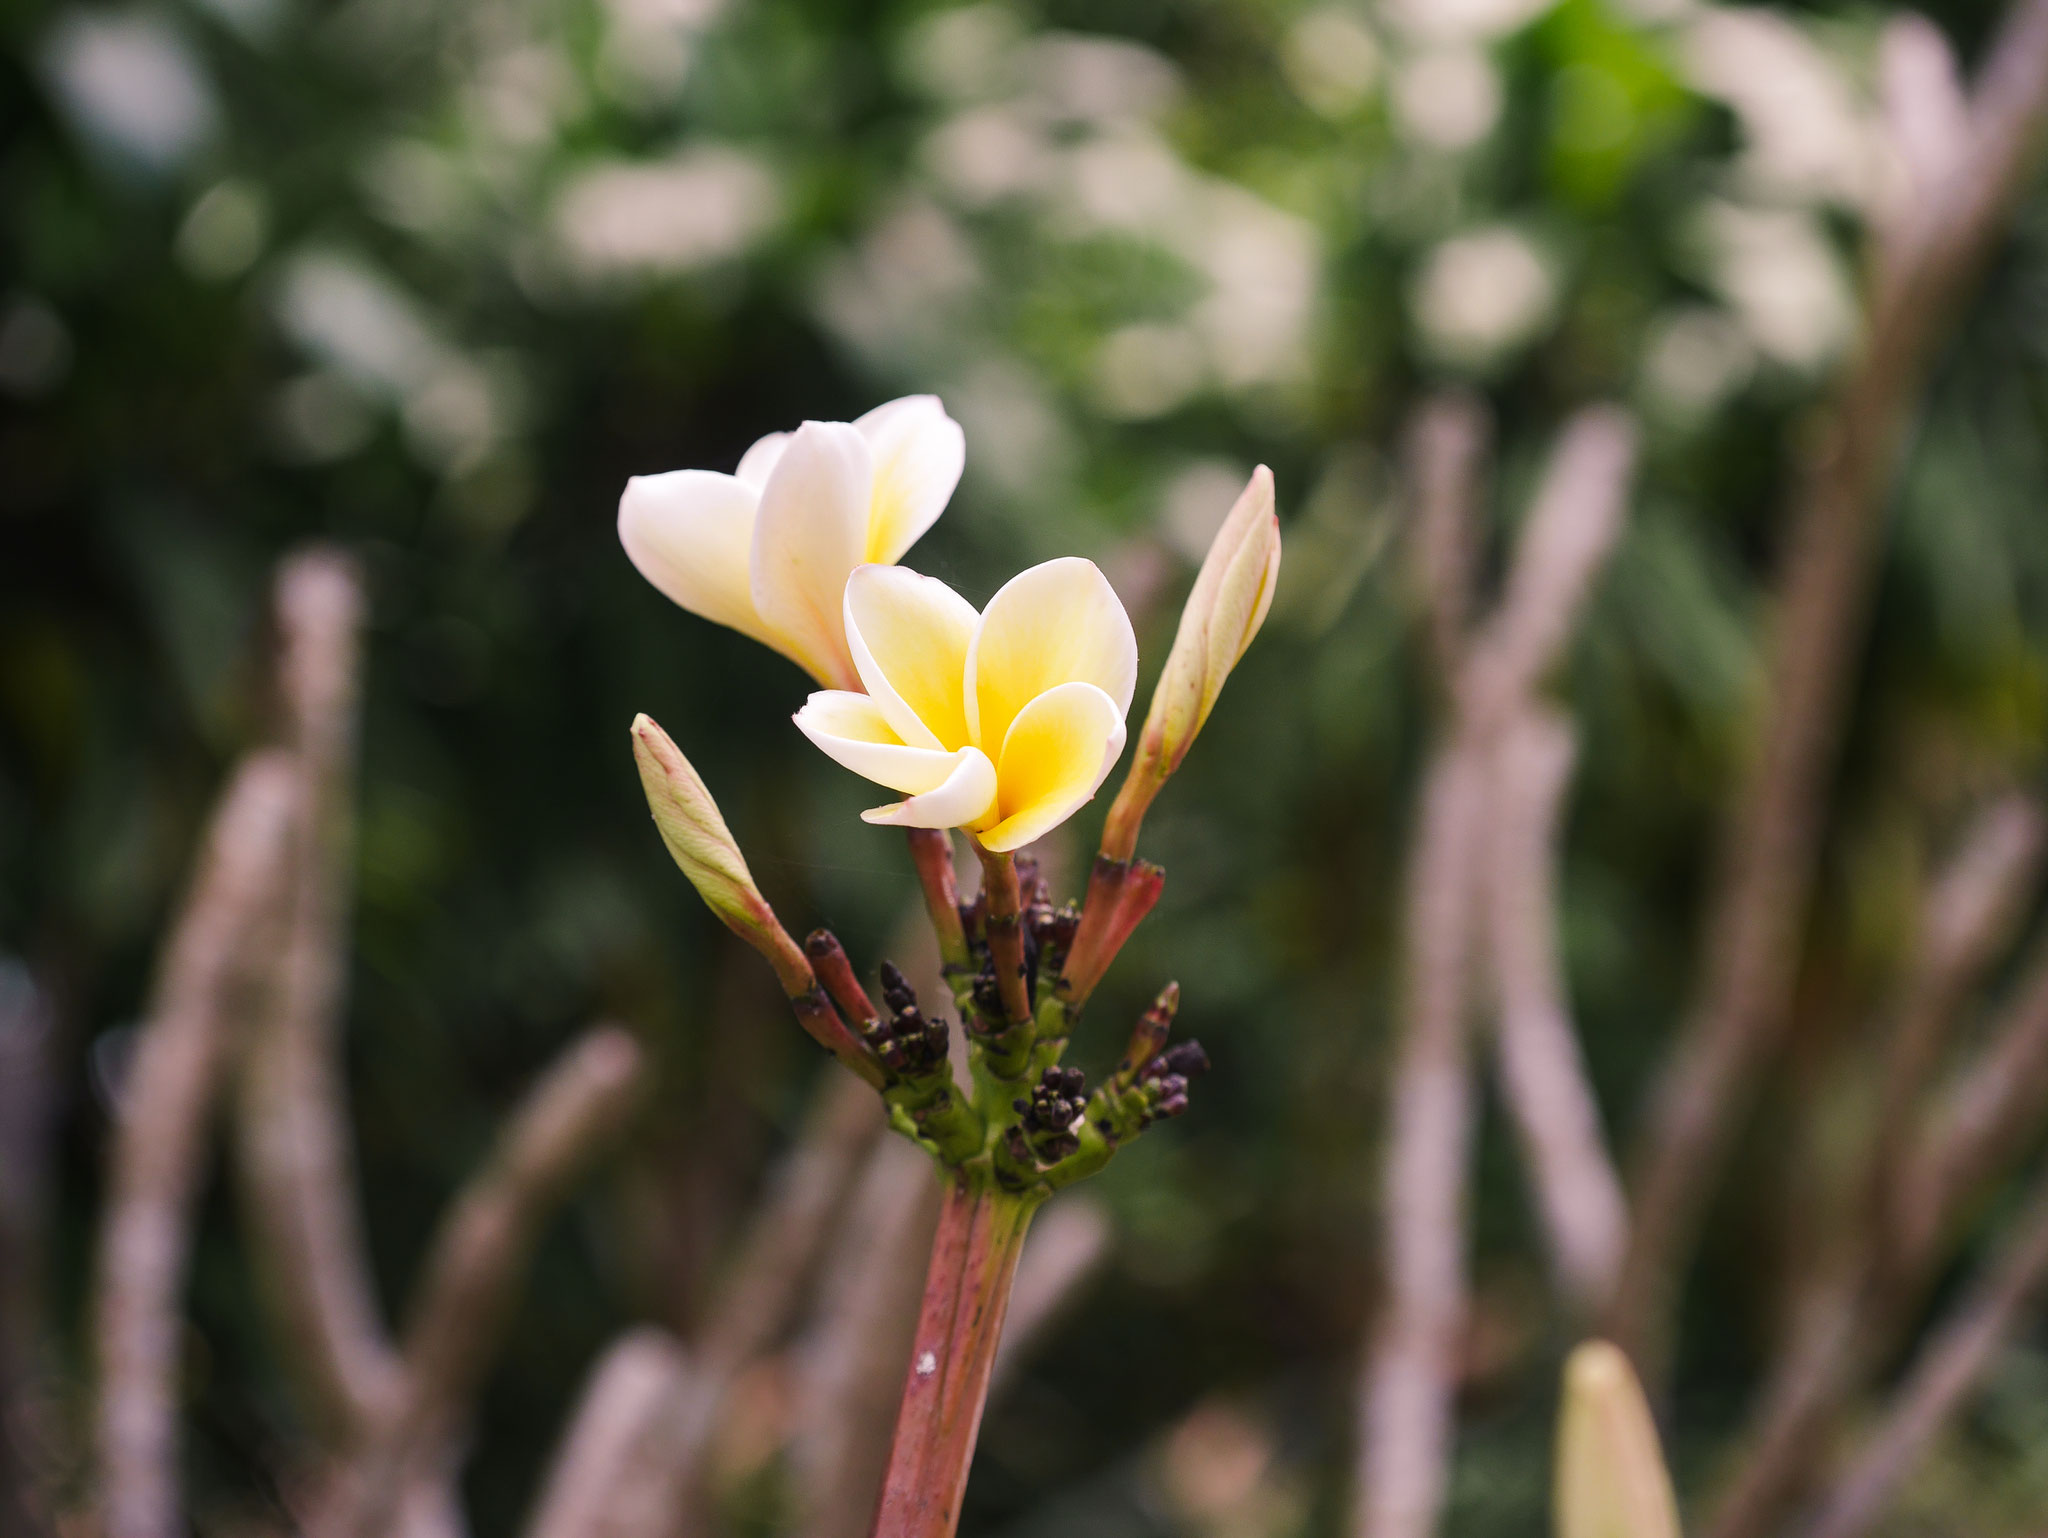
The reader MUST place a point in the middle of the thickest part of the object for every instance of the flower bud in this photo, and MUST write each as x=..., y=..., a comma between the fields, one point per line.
x=1231, y=595
x=1611, y=1479
x=1229, y=603
x=699, y=841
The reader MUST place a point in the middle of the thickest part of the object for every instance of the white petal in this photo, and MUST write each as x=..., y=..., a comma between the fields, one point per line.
x=690, y=533
x=1054, y=624
x=809, y=534
x=909, y=636
x=1058, y=752
x=760, y=459
x=966, y=798
x=850, y=730
x=918, y=454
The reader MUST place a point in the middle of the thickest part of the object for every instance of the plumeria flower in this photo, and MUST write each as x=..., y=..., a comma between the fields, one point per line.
x=767, y=550
x=1004, y=722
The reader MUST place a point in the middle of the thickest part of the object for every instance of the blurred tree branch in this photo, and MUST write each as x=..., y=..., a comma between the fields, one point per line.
x=1912, y=1183
x=1969, y=917
x=1947, y=1366
x=472, y=1273
x=1921, y=266
x=296, y=1152
x=850, y=1375
x=1543, y=1078
x=1411, y=1370
x=609, y=1477
x=210, y=985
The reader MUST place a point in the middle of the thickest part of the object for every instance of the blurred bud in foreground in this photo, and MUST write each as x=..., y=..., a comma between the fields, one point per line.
x=1611, y=1480
x=1229, y=603
x=698, y=839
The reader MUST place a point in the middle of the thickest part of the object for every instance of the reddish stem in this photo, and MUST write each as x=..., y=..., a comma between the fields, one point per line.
x=1120, y=894
x=814, y=1012
x=959, y=1326
x=931, y=851
x=1120, y=830
x=835, y=971
x=1005, y=899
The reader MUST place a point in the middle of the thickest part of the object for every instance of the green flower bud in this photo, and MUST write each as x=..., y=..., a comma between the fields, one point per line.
x=698, y=839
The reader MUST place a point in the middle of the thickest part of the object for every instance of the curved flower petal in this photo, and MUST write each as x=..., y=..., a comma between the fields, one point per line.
x=967, y=797
x=909, y=637
x=852, y=731
x=690, y=533
x=809, y=534
x=761, y=458
x=1054, y=624
x=1057, y=754
x=918, y=453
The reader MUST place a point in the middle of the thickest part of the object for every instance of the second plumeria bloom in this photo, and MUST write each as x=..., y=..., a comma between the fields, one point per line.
x=767, y=550
x=1004, y=722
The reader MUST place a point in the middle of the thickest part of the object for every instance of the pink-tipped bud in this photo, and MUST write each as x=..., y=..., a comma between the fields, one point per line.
x=701, y=844
x=1229, y=603
x=1231, y=596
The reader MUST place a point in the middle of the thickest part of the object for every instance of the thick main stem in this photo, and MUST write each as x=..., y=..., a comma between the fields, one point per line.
x=959, y=1325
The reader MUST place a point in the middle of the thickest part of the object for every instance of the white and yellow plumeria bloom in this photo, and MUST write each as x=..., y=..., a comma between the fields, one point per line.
x=767, y=550
x=1004, y=722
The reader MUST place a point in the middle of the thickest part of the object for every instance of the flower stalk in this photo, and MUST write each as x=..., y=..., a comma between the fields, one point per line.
x=931, y=852
x=1120, y=894
x=959, y=1325
x=1005, y=923
x=1002, y=722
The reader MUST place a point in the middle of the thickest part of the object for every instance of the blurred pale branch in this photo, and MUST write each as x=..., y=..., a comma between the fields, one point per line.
x=1542, y=1076
x=472, y=1273
x=1411, y=1371
x=1967, y=920
x=1966, y=917
x=297, y=1155
x=211, y=987
x=609, y=1477
x=253, y=961
x=1947, y=1366
x=1758, y=910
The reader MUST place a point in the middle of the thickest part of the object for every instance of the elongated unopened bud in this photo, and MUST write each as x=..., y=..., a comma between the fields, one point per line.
x=1611, y=1479
x=1231, y=595
x=698, y=839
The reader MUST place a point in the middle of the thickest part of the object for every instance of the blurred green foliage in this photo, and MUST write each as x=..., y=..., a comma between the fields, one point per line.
x=433, y=280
